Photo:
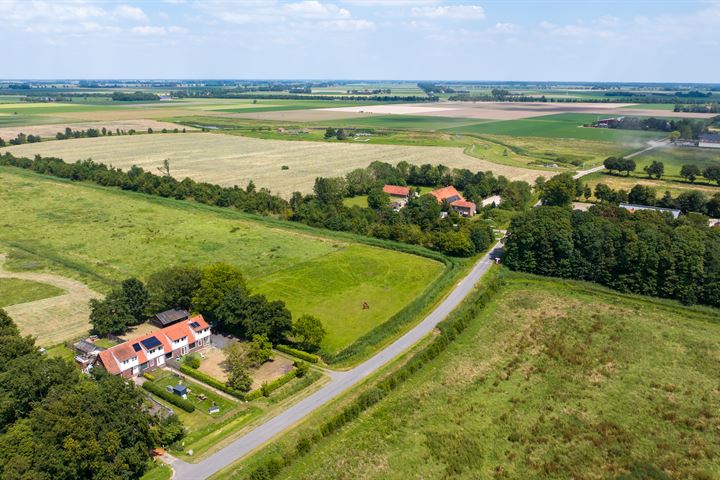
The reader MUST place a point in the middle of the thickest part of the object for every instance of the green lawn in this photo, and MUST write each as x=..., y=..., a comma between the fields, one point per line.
x=61, y=351
x=17, y=290
x=669, y=107
x=563, y=125
x=553, y=379
x=102, y=236
x=674, y=158
x=340, y=285
x=359, y=201
x=158, y=472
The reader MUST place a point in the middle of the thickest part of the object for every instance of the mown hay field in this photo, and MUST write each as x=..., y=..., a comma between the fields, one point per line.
x=552, y=379
x=101, y=236
x=235, y=160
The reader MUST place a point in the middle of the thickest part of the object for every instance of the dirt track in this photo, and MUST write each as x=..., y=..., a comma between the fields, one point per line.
x=55, y=319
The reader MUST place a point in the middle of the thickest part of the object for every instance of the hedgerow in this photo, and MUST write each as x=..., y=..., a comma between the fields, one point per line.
x=213, y=382
x=169, y=397
x=308, y=357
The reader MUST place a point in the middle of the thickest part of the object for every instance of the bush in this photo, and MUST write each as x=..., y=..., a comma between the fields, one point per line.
x=192, y=360
x=308, y=357
x=268, y=388
x=149, y=377
x=302, y=368
x=213, y=382
x=169, y=397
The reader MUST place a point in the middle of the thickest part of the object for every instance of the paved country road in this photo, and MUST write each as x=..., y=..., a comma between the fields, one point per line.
x=339, y=383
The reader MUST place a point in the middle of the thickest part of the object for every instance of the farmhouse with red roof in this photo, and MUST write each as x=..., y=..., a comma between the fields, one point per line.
x=455, y=199
x=150, y=351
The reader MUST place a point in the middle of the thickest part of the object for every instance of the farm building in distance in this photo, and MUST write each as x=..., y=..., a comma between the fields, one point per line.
x=634, y=208
x=150, y=351
x=169, y=317
x=709, y=140
x=398, y=195
x=456, y=201
x=608, y=122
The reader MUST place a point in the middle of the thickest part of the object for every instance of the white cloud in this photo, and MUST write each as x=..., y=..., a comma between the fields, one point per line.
x=348, y=25
x=149, y=30
x=127, y=12
x=390, y=3
x=505, y=28
x=455, y=12
x=315, y=9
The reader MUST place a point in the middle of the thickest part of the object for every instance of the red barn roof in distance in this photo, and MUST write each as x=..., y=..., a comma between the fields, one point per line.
x=446, y=193
x=396, y=190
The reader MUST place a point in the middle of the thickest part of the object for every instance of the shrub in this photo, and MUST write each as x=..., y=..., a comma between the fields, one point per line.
x=213, y=382
x=284, y=167
x=308, y=357
x=149, y=377
x=192, y=360
x=169, y=397
x=302, y=368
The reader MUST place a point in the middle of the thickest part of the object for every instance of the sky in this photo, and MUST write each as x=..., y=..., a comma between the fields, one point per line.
x=560, y=40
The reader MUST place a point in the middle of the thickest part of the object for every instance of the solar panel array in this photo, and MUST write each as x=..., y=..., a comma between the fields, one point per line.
x=151, y=342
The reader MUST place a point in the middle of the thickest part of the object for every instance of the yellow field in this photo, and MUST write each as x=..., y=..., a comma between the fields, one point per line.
x=235, y=160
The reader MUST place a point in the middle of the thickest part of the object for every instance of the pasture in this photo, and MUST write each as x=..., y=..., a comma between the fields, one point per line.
x=673, y=158
x=235, y=160
x=553, y=379
x=17, y=290
x=102, y=236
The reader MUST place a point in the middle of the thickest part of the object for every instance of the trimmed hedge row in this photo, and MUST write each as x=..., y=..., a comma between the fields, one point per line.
x=213, y=382
x=169, y=397
x=308, y=357
x=449, y=328
x=268, y=388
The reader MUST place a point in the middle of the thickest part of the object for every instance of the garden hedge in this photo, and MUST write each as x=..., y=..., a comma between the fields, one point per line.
x=308, y=357
x=169, y=397
x=213, y=382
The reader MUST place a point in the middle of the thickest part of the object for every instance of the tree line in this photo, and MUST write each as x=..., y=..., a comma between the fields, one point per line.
x=418, y=224
x=56, y=423
x=656, y=169
x=134, y=97
x=686, y=128
x=645, y=252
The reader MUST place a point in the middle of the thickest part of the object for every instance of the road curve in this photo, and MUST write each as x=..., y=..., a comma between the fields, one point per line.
x=340, y=382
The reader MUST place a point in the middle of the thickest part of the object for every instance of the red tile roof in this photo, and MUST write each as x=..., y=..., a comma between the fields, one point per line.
x=113, y=356
x=463, y=204
x=396, y=190
x=445, y=193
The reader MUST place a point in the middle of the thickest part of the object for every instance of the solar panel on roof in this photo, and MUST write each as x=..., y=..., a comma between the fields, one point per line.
x=194, y=324
x=136, y=347
x=151, y=342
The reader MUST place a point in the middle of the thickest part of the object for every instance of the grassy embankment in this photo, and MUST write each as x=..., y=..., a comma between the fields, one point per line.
x=553, y=379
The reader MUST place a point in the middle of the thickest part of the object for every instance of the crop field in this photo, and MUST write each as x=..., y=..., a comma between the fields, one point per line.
x=50, y=130
x=553, y=379
x=674, y=158
x=564, y=125
x=102, y=236
x=235, y=160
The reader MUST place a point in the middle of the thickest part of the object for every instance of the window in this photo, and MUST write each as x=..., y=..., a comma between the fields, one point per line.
x=192, y=345
x=168, y=355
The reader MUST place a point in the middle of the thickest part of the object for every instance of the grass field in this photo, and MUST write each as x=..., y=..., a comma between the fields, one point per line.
x=235, y=160
x=553, y=379
x=618, y=182
x=16, y=290
x=102, y=236
x=674, y=158
x=563, y=125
